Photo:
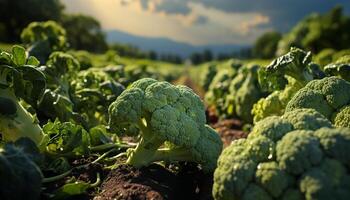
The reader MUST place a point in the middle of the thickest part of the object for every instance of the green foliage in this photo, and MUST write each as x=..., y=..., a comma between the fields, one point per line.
x=92, y=92
x=296, y=156
x=43, y=38
x=84, y=33
x=66, y=138
x=317, y=32
x=84, y=58
x=265, y=46
x=56, y=102
x=165, y=114
x=19, y=79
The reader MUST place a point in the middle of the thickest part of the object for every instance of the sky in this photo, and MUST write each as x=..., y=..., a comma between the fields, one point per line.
x=201, y=22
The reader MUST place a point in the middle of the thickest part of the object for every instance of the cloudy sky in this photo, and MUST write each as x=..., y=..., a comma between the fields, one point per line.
x=201, y=22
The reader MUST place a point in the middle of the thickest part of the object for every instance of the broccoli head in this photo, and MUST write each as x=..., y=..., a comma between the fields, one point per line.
x=328, y=96
x=275, y=103
x=295, y=161
x=172, y=123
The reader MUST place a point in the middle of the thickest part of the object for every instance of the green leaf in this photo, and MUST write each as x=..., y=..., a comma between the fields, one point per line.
x=32, y=84
x=19, y=55
x=33, y=61
x=71, y=189
x=67, y=139
x=5, y=58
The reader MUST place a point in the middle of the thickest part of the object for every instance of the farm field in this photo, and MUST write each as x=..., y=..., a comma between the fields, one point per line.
x=119, y=123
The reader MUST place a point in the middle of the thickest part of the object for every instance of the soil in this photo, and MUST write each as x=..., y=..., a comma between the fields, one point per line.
x=229, y=130
x=155, y=182
x=86, y=174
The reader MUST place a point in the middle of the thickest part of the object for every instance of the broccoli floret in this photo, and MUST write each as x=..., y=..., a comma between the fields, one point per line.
x=275, y=127
x=19, y=79
x=336, y=143
x=269, y=106
x=272, y=127
x=165, y=114
x=342, y=118
x=315, y=185
x=275, y=103
x=254, y=191
x=285, y=159
x=308, y=119
x=272, y=178
x=298, y=151
x=327, y=96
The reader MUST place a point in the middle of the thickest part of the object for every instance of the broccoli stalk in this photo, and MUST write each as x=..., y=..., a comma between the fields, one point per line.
x=146, y=149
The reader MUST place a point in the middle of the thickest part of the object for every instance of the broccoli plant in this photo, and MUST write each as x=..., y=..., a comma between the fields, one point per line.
x=340, y=68
x=244, y=92
x=296, y=156
x=328, y=96
x=93, y=91
x=172, y=123
x=43, y=38
x=219, y=87
x=19, y=79
x=207, y=76
x=56, y=102
x=284, y=76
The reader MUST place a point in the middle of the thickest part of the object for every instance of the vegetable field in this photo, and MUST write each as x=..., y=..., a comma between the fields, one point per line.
x=81, y=125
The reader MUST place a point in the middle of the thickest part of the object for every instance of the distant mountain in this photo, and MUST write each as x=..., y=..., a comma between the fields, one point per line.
x=165, y=45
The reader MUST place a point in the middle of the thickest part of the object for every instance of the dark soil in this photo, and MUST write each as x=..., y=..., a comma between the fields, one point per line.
x=229, y=130
x=155, y=182
x=86, y=174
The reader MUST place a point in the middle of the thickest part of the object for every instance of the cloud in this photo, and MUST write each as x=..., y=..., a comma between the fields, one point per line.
x=200, y=21
x=283, y=14
x=257, y=20
x=173, y=7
